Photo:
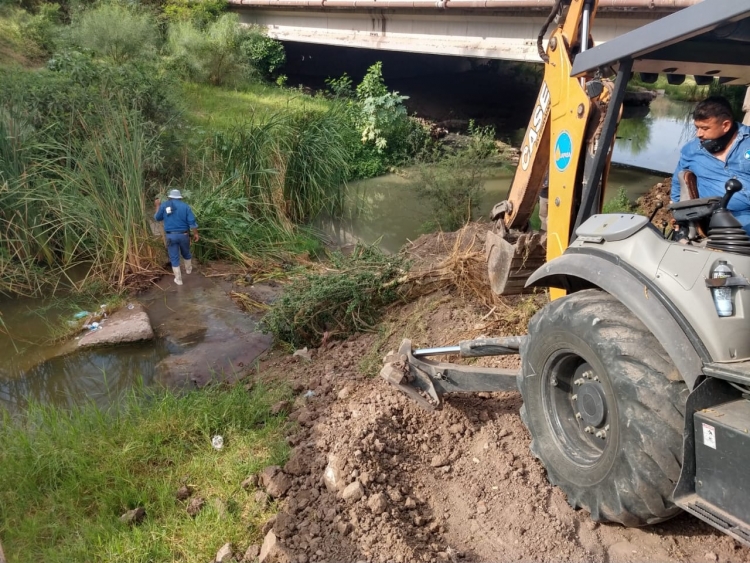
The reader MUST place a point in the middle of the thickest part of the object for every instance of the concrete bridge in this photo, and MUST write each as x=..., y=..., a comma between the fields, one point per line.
x=489, y=29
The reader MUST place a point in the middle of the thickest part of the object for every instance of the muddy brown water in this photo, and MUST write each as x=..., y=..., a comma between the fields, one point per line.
x=385, y=210
x=201, y=335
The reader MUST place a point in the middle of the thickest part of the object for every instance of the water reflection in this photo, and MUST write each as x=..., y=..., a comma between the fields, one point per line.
x=92, y=376
x=651, y=137
x=386, y=209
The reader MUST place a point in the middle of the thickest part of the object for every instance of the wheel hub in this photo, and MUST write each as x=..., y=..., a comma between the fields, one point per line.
x=592, y=404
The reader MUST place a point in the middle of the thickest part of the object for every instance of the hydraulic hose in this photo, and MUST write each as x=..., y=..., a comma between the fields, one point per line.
x=540, y=39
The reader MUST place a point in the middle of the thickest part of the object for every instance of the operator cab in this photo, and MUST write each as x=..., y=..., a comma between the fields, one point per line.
x=710, y=41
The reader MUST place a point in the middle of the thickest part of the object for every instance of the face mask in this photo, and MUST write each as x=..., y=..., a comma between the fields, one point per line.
x=717, y=145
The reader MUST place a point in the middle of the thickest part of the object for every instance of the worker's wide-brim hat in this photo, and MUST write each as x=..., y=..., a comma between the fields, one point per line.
x=175, y=194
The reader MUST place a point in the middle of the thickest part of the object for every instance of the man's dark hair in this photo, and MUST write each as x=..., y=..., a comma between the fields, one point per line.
x=715, y=106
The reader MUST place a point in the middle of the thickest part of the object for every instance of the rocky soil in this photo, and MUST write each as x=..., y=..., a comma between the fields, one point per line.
x=374, y=478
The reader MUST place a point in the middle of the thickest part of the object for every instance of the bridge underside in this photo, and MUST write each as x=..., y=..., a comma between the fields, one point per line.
x=507, y=35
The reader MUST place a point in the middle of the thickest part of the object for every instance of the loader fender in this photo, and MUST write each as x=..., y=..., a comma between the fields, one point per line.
x=576, y=271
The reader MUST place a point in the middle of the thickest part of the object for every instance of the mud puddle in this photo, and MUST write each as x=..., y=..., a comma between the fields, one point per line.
x=201, y=335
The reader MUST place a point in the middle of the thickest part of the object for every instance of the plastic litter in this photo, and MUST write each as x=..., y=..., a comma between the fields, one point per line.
x=304, y=353
x=309, y=393
x=131, y=306
x=81, y=314
x=217, y=442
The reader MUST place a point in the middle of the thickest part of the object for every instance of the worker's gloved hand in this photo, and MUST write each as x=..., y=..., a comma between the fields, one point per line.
x=196, y=238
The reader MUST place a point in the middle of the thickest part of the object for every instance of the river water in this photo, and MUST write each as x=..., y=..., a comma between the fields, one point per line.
x=382, y=209
x=385, y=209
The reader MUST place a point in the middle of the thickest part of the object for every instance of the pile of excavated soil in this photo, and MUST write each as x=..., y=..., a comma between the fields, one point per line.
x=648, y=202
x=375, y=478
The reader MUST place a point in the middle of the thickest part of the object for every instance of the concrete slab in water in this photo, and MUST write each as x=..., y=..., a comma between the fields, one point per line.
x=129, y=324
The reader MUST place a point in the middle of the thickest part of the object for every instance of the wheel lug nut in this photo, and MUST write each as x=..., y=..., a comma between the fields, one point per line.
x=579, y=381
x=596, y=378
x=553, y=382
x=578, y=416
x=588, y=430
x=601, y=434
x=575, y=397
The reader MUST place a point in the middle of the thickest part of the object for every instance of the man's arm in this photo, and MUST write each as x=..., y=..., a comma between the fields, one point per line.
x=193, y=223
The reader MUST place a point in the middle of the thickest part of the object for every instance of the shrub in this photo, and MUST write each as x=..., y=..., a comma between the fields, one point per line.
x=388, y=136
x=116, y=32
x=453, y=183
x=200, y=13
x=42, y=27
x=51, y=101
x=619, y=204
x=211, y=56
x=381, y=113
x=265, y=55
x=349, y=297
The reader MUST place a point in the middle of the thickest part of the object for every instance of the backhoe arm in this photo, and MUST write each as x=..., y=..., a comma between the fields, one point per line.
x=564, y=130
x=562, y=107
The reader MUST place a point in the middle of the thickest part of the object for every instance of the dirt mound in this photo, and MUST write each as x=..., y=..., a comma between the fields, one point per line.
x=375, y=478
x=648, y=202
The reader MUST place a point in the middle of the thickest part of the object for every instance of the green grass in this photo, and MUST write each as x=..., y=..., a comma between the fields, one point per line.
x=225, y=108
x=67, y=476
x=14, y=47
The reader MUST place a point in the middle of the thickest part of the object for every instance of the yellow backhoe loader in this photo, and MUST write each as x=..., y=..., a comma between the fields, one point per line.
x=636, y=383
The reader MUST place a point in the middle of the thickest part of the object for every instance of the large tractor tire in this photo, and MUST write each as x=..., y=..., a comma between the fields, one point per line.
x=605, y=407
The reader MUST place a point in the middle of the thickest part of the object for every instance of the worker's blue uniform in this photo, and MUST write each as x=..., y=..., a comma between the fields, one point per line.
x=178, y=220
x=712, y=173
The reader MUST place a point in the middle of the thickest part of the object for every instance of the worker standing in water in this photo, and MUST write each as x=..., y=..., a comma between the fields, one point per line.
x=179, y=221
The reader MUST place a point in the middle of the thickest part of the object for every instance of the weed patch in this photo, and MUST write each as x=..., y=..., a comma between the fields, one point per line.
x=348, y=296
x=67, y=476
x=452, y=183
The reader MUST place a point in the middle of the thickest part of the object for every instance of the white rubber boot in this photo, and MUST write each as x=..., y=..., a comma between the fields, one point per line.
x=189, y=266
x=177, y=275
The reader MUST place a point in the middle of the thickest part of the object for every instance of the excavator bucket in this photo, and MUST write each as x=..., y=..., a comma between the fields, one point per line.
x=512, y=258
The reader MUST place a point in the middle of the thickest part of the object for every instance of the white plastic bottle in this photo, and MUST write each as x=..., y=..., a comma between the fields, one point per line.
x=722, y=295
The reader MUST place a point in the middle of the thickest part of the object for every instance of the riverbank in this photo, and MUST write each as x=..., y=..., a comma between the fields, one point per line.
x=354, y=474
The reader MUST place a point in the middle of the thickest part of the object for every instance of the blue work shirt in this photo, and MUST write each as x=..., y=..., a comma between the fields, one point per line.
x=180, y=220
x=712, y=173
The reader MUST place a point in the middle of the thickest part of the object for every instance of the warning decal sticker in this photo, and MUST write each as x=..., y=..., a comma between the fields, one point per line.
x=709, y=435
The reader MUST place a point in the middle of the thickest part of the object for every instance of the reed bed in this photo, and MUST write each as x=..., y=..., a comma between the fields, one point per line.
x=84, y=205
x=81, y=203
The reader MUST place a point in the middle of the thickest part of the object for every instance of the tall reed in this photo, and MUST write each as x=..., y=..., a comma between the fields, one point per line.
x=293, y=165
x=83, y=202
